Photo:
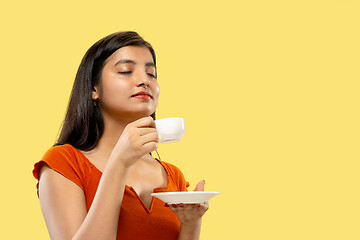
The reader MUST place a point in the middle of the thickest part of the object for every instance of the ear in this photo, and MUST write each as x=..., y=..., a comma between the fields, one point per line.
x=95, y=93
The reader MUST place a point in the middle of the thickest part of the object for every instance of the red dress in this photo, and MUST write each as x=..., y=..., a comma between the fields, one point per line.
x=136, y=221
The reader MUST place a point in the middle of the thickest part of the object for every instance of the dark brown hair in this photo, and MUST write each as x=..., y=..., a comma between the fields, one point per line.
x=83, y=125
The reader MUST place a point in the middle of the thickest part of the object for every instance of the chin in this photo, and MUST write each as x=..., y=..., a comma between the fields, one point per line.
x=146, y=112
x=141, y=114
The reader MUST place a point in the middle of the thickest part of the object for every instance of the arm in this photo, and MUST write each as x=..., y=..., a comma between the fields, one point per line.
x=190, y=216
x=63, y=206
x=63, y=202
x=191, y=230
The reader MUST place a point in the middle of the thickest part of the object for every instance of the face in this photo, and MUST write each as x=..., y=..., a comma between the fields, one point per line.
x=129, y=88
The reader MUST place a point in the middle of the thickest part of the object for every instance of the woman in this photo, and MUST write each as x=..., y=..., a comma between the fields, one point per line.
x=95, y=183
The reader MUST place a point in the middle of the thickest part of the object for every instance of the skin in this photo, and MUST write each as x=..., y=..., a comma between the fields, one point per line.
x=122, y=154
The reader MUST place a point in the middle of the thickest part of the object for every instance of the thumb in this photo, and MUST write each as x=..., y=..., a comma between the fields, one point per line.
x=200, y=186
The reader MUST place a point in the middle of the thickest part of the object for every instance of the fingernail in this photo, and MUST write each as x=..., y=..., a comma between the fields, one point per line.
x=198, y=205
x=174, y=206
x=181, y=205
x=166, y=205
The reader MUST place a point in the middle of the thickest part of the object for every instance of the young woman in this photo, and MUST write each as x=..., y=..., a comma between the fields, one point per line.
x=95, y=183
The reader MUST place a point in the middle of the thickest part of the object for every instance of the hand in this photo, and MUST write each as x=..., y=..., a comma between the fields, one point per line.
x=138, y=139
x=190, y=214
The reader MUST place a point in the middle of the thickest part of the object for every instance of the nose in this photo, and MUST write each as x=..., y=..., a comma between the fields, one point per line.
x=142, y=80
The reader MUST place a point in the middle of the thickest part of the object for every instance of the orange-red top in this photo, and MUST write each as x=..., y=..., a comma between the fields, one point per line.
x=136, y=221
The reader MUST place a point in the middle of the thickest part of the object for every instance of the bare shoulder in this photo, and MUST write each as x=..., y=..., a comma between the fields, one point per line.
x=54, y=179
x=62, y=203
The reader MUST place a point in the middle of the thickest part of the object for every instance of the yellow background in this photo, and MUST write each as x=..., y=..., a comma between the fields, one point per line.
x=269, y=91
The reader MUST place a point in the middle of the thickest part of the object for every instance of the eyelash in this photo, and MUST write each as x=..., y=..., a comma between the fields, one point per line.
x=151, y=75
x=129, y=72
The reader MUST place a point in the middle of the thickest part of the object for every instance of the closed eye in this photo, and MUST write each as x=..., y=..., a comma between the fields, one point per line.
x=151, y=75
x=126, y=72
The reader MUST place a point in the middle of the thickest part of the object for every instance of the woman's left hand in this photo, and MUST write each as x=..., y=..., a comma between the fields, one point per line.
x=190, y=214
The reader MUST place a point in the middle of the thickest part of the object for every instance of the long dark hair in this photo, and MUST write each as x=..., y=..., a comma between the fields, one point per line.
x=84, y=125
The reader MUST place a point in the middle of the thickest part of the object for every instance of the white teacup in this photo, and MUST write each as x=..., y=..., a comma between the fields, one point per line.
x=170, y=129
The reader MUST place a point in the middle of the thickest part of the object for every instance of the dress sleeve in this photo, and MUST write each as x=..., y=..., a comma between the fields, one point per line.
x=177, y=177
x=183, y=184
x=62, y=160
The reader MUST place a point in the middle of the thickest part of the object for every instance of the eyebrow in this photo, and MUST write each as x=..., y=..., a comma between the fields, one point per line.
x=148, y=64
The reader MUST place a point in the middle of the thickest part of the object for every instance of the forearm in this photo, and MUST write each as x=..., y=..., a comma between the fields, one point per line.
x=190, y=232
x=101, y=221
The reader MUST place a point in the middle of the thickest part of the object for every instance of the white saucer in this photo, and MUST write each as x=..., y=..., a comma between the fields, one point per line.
x=185, y=197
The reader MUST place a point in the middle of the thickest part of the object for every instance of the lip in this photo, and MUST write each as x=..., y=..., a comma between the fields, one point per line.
x=142, y=93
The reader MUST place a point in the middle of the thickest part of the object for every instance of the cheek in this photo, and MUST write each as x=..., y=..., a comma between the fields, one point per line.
x=156, y=90
x=113, y=92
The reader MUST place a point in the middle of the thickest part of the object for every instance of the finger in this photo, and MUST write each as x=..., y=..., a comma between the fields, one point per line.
x=190, y=211
x=145, y=131
x=144, y=122
x=187, y=206
x=200, y=186
x=199, y=208
x=149, y=147
x=173, y=207
x=150, y=137
x=204, y=206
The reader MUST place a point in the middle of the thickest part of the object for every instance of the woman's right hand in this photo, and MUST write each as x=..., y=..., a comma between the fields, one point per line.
x=138, y=139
